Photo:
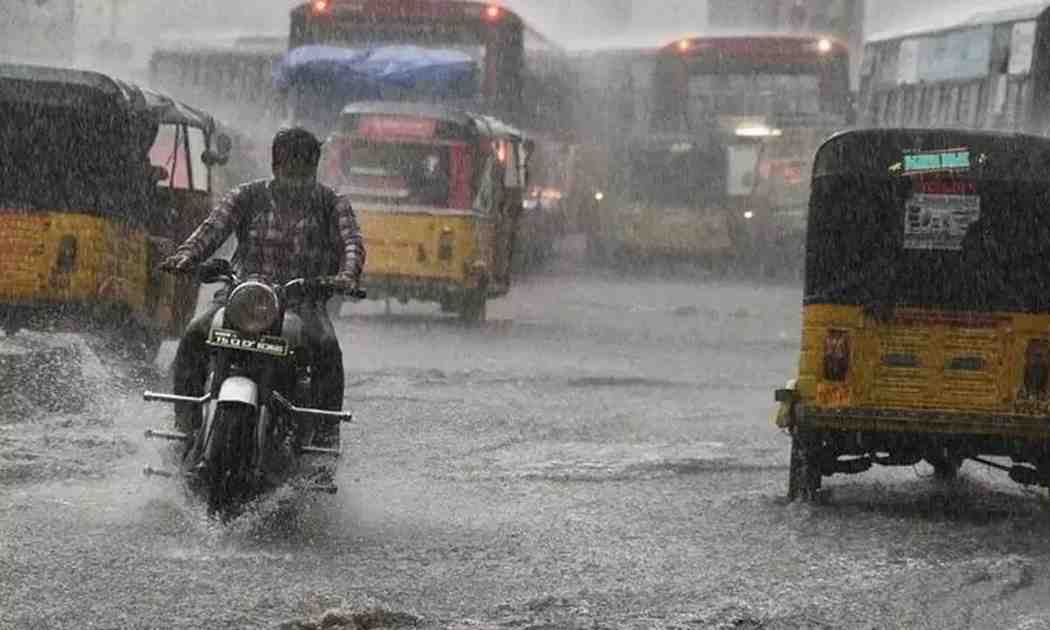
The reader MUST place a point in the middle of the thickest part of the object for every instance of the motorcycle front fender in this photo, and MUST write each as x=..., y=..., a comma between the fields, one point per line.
x=239, y=389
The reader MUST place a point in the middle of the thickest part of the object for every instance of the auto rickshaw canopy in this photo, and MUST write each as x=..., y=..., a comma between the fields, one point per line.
x=80, y=140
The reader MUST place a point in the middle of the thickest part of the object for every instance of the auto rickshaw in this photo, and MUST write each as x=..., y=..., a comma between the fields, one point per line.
x=99, y=179
x=439, y=195
x=651, y=205
x=926, y=317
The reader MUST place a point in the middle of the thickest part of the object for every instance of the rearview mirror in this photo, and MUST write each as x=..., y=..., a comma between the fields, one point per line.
x=220, y=153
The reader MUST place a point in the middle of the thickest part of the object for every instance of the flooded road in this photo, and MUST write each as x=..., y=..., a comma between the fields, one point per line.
x=600, y=454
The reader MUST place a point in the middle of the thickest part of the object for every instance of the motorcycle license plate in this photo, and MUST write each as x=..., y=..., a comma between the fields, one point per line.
x=232, y=340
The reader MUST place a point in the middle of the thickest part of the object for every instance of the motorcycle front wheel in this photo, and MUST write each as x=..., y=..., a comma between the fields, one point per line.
x=230, y=476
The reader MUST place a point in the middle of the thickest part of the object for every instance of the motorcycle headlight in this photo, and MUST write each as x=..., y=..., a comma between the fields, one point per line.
x=252, y=308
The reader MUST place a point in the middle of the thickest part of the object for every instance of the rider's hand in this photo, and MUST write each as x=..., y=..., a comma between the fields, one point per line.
x=178, y=263
x=343, y=282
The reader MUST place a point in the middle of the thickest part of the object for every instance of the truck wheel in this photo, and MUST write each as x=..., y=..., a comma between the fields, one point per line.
x=804, y=477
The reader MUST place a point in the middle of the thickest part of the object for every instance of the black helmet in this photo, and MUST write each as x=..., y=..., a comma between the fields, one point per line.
x=296, y=147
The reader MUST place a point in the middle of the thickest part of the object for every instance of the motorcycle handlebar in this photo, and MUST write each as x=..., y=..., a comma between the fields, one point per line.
x=326, y=283
x=220, y=271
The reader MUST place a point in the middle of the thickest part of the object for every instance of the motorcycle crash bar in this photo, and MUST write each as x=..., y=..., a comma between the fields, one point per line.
x=149, y=471
x=167, y=435
x=172, y=398
x=315, y=450
x=342, y=416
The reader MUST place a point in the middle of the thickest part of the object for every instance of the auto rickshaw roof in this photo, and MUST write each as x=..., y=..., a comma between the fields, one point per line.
x=173, y=112
x=990, y=154
x=82, y=88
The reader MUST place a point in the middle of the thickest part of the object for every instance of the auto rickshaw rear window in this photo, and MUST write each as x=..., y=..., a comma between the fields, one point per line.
x=931, y=219
x=54, y=158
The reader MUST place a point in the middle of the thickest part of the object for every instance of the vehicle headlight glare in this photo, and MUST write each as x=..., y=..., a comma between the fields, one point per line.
x=252, y=308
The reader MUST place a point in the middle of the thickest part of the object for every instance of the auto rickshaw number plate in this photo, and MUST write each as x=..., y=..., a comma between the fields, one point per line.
x=232, y=340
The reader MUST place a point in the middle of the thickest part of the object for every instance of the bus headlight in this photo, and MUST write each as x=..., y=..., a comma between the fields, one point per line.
x=758, y=131
x=252, y=308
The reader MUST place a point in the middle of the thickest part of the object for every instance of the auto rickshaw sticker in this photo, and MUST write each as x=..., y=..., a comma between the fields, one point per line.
x=939, y=222
x=833, y=395
x=940, y=161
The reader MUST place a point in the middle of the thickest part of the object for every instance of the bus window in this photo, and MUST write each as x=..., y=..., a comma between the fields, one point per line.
x=981, y=115
x=907, y=100
x=968, y=105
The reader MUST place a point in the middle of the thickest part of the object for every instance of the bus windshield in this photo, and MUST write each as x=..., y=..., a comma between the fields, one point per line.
x=791, y=79
x=754, y=94
x=666, y=177
x=438, y=35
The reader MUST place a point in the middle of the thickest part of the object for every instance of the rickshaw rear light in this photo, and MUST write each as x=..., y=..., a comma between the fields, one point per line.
x=1037, y=366
x=66, y=260
x=446, y=244
x=836, y=355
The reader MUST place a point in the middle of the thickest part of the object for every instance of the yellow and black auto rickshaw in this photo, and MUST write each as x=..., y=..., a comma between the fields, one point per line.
x=926, y=318
x=98, y=180
x=439, y=194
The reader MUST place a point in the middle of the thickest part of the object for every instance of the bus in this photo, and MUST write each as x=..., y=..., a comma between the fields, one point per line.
x=842, y=19
x=42, y=31
x=477, y=57
x=701, y=148
x=988, y=72
x=522, y=76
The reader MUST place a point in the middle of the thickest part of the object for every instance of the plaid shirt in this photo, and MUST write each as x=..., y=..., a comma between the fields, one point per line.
x=278, y=243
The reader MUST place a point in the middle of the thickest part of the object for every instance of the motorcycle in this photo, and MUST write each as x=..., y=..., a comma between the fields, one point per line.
x=257, y=425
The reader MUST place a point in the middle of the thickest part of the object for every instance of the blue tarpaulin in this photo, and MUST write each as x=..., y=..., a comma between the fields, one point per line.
x=374, y=73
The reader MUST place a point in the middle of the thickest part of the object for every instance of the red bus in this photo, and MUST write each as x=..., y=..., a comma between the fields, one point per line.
x=523, y=77
x=705, y=143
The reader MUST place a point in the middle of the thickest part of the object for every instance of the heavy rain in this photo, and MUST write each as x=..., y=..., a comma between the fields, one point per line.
x=606, y=314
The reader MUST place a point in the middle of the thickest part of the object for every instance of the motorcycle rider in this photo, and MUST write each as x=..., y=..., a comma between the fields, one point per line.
x=287, y=227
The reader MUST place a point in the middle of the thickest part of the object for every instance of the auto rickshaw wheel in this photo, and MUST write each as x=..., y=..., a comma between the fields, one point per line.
x=945, y=468
x=804, y=476
x=473, y=308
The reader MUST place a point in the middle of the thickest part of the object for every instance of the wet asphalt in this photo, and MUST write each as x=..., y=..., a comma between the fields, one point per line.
x=598, y=455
